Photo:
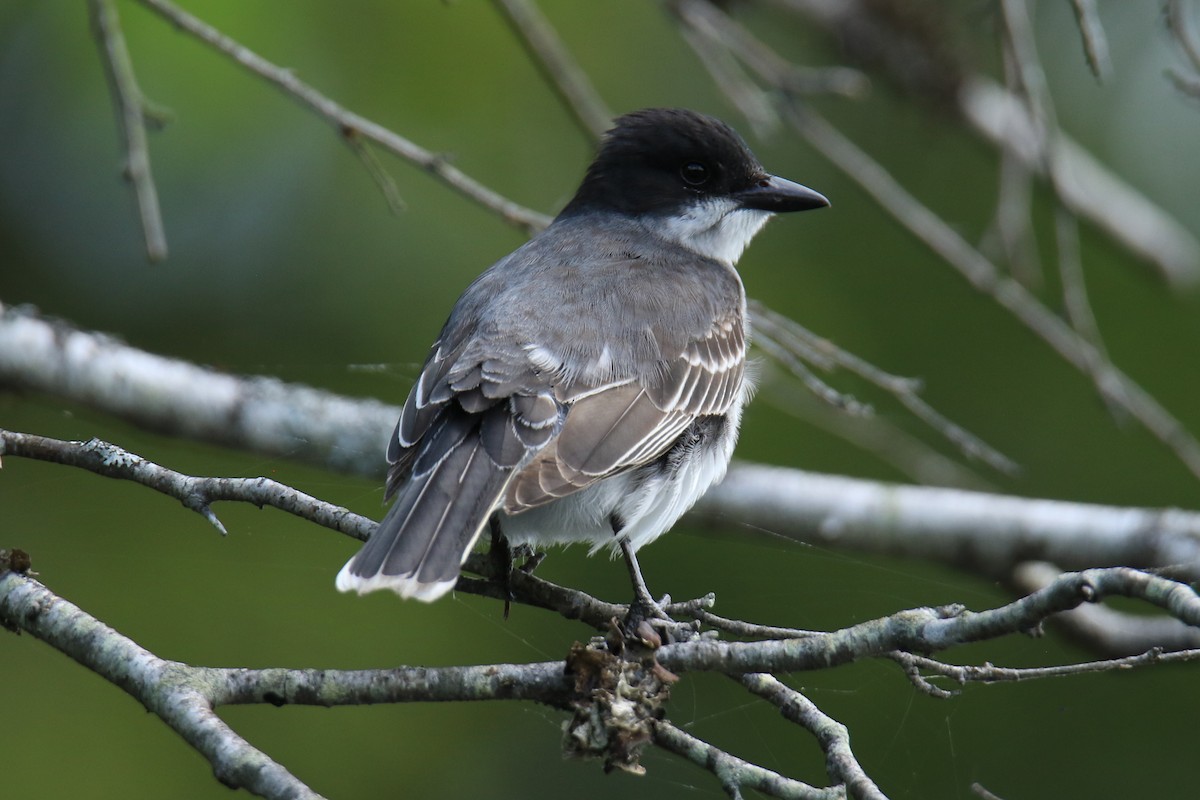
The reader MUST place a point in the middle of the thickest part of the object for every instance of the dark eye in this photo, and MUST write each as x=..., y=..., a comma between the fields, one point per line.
x=694, y=173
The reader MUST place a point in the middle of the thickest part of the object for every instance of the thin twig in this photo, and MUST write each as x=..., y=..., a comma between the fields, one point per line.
x=345, y=121
x=557, y=65
x=1093, y=191
x=980, y=791
x=734, y=773
x=834, y=738
x=196, y=493
x=878, y=435
x=131, y=114
x=726, y=72
x=782, y=331
x=1031, y=85
x=1109, y=380
x=914, y=665
x=1177, y=25
x=1087, y=186
x=1011, y=234
x=382, y=178
x=1095, y=43
x=716, y=26
x=750, y=630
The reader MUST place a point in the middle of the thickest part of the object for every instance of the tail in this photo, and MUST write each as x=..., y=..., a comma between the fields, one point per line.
x=422, y=541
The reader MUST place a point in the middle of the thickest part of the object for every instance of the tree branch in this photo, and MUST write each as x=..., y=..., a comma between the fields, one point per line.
x=927, y=630
x=196, y=494
x=558, y=66
x=985, y=533
x=832, y=735
x=734, y=773
x=171, y=690
x=915, y=665
x=347, y=123
x=1041, y=149
x=184, y=696
x=131, y=114
x=988, y=534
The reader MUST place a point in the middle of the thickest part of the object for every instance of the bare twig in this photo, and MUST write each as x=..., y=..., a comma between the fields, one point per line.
x=875, y=434
x=1110, y=382
x=196, y=493
x=1095, y=43
x=724, y=69
x=167, y=688
x=980, y=791
x=1011, y=233
x=345, y=121
x=557, y=65
x=734, y=773
x=131, y=114
x=716, y=27
x=1030, y=84
x=832, y=735
x=1086, y=186
x=784, y=332
x=1181, y=32
x=915, y=665
x=383, y=179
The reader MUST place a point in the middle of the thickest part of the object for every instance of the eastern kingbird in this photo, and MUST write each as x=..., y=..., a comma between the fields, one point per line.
x=588, y=387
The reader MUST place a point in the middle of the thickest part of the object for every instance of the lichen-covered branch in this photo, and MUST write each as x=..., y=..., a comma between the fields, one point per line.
x=196, y=493
x=920, y=669
x=831, y=735
x=171, y=690
x=928, y=630
x=179, y=398
x=734, y=773
x=985, y=533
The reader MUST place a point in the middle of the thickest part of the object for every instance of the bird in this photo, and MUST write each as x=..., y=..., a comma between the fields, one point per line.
x=588, y=387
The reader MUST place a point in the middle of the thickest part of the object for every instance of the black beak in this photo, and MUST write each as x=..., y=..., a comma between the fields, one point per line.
x=779, y=195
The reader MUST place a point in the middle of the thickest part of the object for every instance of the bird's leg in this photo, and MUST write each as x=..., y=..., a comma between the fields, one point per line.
x=640, y=591
x=501, y=556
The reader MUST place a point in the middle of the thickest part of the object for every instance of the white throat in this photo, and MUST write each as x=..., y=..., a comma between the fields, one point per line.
x=717, y=228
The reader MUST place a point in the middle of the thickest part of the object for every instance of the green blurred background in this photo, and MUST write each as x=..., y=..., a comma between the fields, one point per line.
x=285, y=260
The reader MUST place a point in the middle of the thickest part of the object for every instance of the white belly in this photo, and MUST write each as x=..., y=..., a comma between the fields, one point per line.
x=647, y=499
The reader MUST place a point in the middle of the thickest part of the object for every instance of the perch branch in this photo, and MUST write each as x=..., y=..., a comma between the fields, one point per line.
x=982, y=532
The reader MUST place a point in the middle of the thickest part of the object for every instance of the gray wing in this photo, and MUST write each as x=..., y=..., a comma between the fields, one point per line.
x=464, y=429
x=618, y=427
x=498, y=420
